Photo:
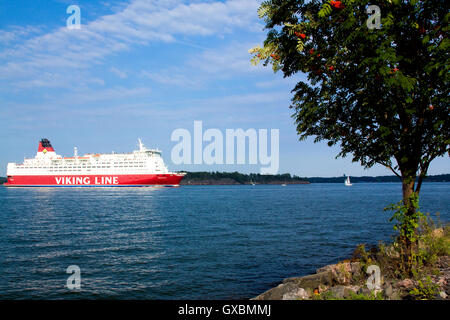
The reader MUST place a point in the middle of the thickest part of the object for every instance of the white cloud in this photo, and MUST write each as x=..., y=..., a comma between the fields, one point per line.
x=225, y=61
x=141, y=22
x=173, y=77
x=208, y=66
x=17, y=33
x=121, y=74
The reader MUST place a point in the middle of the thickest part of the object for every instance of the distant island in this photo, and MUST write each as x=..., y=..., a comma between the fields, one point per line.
x=435, y=178
x=236, y=178
x=226, y=178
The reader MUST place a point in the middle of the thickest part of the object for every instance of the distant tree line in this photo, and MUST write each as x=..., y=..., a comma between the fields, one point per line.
x=243, y=178
x=288, y=178
x=436, y=178
x=257, y=178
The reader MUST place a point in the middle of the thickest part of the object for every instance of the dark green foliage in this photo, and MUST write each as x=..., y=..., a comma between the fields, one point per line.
x=382, y=95
x=286, y=177
x=244, y=178
x=369, y=91
x=425, y=290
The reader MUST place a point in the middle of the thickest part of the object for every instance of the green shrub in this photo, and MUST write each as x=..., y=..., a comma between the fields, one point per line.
x=361, y=296
x=425, y=289
x=328, y=295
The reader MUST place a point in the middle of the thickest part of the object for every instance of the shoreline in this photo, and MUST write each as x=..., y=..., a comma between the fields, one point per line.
x=350, y=280
x=230, y=182
x=236, y=178
x=337, y=282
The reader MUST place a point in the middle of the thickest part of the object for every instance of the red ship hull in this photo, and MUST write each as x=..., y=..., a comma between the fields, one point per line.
x=117, y=180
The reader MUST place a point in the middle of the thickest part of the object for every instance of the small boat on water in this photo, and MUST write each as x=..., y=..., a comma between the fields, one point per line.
x=347, y=182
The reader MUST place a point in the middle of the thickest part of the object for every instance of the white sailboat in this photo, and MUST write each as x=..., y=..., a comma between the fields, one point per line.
x=347, y=182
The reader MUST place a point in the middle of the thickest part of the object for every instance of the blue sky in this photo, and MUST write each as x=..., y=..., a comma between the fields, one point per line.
x=143, y=68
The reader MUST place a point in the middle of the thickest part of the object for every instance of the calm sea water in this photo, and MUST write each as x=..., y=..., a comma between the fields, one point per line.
x=192, y=242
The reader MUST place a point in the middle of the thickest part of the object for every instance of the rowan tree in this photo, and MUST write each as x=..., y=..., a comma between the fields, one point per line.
x=380, y=92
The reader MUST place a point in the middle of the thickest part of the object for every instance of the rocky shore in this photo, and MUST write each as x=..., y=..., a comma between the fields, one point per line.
x=348, y=280
x=344, y=281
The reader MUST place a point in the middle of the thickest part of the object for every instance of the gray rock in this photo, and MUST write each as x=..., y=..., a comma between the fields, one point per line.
x=277, y=292
x=405, y=284
x=341, y=272
x=325, y=268
x=349, y=290
x=343, y=292
x=396, y=295
x=442, y=295
x=297, y=294
x=356, y=268
x=338, y=292
x=284, y=291
x=364, y=290
x=312, y=281
x=388, y=291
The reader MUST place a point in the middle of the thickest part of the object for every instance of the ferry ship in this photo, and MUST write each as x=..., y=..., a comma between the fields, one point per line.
x=140, y=168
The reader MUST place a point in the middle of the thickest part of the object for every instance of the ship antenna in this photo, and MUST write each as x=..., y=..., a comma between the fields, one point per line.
x=141, y=145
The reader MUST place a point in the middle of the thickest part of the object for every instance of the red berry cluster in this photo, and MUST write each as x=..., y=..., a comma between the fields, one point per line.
x=337, y=4
x=275, y=56
x=300, y=35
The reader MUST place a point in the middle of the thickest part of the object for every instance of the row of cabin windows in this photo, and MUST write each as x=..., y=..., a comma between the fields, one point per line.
x=83, y=166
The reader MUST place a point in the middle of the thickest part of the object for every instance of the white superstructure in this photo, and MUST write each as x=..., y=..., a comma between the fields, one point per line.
x=142, y=161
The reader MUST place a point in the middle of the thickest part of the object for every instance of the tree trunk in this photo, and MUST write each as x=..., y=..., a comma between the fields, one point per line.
x=408, y=245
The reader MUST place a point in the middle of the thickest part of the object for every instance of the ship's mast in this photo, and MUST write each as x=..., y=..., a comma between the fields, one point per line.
x=141, y=145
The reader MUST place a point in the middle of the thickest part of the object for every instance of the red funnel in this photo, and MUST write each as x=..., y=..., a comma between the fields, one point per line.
x=45, y=144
